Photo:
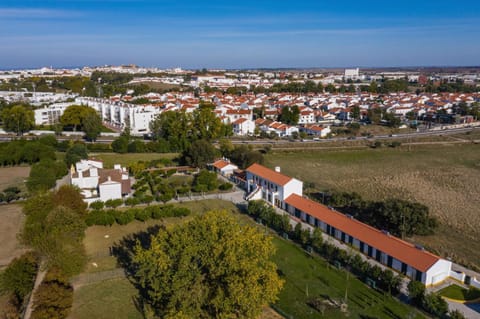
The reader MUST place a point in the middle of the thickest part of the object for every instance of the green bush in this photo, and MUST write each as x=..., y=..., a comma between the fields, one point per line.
x=132, y=201
x=101, y=218
x=114, y=203
x=225, y=186
x=142, y=215
x=19, y=276
x=97, y=205
x=125, y=217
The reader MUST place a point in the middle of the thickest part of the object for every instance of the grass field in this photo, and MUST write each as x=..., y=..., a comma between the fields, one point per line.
x=459, y=293
x=310, y=277
x=109, y=159
x=443, y=177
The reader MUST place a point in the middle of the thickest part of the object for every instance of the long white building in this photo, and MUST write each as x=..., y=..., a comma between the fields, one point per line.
x=286, y=192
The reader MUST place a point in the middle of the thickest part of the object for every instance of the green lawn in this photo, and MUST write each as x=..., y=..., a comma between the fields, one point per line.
x=105, y=300
x=313, y=276
x=459, y=293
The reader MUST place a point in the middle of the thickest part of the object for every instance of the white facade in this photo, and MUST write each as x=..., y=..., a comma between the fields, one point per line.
x=243, y=127
x=438, y=272
x=49, y=115
x=110, y=190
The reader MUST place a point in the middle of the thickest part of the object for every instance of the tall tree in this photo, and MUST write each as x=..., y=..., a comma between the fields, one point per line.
x=210, y=267
x=18, y=119
x=92, y=126
x=75, y=115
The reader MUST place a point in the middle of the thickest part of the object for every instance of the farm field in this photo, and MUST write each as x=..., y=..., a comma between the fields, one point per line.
x=443, y=177
x=298, y=268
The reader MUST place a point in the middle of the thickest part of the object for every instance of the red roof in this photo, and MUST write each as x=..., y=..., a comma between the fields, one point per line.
x=220, y=164
x=393, y=246
x=268, y=174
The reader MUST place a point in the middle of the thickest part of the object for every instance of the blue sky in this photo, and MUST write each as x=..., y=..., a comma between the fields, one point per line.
x=239, y=34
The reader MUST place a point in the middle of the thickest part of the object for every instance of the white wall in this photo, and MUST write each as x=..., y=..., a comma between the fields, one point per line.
x=294, y=186
x=110, y=190
x=438, y=272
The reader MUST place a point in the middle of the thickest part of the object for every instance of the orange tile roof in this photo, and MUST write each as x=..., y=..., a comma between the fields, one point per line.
x=220, y=164
x=268, y=174
x=393, y=246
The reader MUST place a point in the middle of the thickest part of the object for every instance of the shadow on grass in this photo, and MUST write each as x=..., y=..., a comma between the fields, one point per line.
x=123, y=252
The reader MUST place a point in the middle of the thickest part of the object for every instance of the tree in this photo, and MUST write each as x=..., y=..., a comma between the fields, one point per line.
x=53, y=298
x=19, y=276
x=42, y=176
x=416, y=292
x=92, y=126
x=209, y=267
x=199, y=154
x=18, y=119
x=76, y=153
x=205, y=181
x=75, y=115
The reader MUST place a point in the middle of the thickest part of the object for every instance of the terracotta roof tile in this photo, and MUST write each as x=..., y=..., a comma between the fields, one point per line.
x=393, y=246
x=268, y=174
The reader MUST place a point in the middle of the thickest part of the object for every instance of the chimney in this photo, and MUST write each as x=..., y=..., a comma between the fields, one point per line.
x=277, y=169
x=109, y=178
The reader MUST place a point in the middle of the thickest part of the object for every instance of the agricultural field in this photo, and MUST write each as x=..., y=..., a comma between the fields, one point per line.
x=443, y=177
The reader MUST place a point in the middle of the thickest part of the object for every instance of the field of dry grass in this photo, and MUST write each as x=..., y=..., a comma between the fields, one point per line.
x=443, y=177
x=13, y=176
x=11, y=222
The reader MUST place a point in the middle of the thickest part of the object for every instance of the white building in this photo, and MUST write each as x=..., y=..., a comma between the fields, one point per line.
x=352, y=74
x=50, y=115
x=243, y=127
x=224, y=167
x=97, y=183
x=271, y=186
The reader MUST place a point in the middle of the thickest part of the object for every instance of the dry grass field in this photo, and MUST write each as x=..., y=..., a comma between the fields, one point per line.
x=13, y=176
x=443, y=177
x=11, y=222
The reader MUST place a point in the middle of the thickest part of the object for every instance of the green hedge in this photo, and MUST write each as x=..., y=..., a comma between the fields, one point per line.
x=111, y=216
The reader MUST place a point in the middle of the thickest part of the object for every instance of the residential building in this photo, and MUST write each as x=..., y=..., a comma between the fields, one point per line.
x=97, y=183
x=243, y=127
x=271, y=185
x=224, y=167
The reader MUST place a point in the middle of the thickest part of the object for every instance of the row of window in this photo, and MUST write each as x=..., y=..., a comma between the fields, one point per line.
x=364, y=248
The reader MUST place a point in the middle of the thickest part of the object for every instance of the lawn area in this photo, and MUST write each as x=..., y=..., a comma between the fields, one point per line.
x=443, y=177
x=459, y=293
x=105, y=300
x=314, y=276
x=98, y=239
x=109, y=159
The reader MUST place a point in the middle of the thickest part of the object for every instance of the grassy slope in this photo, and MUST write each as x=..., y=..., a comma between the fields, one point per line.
x=109, y=159
x=443, y=177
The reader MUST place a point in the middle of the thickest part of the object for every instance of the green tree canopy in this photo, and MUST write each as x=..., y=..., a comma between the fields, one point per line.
x=209, y=267
x=75, y=153
x=18, y=119
x=199, y=154
x=75, y=115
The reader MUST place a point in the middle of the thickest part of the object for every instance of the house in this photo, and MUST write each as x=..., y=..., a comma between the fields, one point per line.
x=316, y=130
x=223, y=167
x=243, y=127
x=286, y=193
x=270, y=185
x=97, y=183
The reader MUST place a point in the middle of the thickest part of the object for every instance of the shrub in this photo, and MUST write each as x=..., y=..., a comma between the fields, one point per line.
x=114, y=203
x=101, y=218
x=53, y=299
x=125, y=217
x=19, y=276
x=132, y=201
x=97, y=205
x=142, y=215
x=225, y=187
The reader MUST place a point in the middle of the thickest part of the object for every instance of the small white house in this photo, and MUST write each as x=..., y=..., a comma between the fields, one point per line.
x=224, y=167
